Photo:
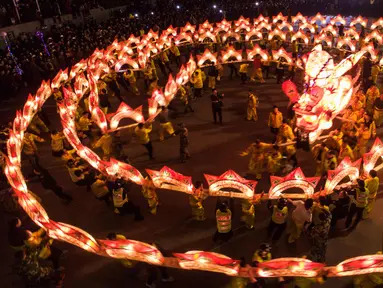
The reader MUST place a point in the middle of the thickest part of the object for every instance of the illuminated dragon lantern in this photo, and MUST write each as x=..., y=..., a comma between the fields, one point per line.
x=327, y=91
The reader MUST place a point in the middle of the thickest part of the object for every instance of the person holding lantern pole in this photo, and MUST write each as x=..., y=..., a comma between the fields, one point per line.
x=195, y=201
x=125, y=262
x=243, y=72
x=131, y=79
x=149, y=192
x=223, y=217
x=165, y=124
x=319, y=152
x=371, y=95
x=105, y=142
x=197, y=80
x=363, y=134
x=252, y=103
x=372, y=184
x=37, y=125
x=330, y=162
x=248, y=213
x=301, y=216
x=274, y=161
x=242, y=282
x=257, y=154
x=30, y=149
x=142, y=132
x=359, y=203
x=277, y=222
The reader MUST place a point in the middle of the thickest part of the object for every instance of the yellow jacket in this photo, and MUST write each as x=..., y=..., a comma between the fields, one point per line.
x=57, y=142
x=197, y=80
x=105, y=142
x=243, y=68
x=375, y=70
x=275, y=120
x=29, y=144
x=372, y=184
x=130, y=77
x=175, y=51
x=346, y=152
x=315, y=150
x=99, y=188
x=285, y=131
x=143, y=134
x=252, y=101
x=84, y=123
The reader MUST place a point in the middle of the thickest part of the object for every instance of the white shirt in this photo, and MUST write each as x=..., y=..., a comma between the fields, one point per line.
x=301, y=214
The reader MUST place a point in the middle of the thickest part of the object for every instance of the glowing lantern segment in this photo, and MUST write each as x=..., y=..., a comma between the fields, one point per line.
x=378, y=23
x=72, y=235
x=188, y=28
x=123, y=170
x=170, y=31
x=257, y=51
x=296, y=179
x=207, y=55
x=260, y=19
x=206, y=35
x=298, y=17
x=277, y=32
x=290, y=90
x=279, y=17
x=171, y=88
x=231, y=53
x=126, y=60
x=191, y=66
x=208, y=261
x=29, y=109
x=374, y=35
x=319, y=39
x=222, y=26
x=286, y=25
x=125, y=111
x=346, y=42
x=78, y=68
x=182, y=76
x=15, y=176
x=242, y=188
x=359, y=20
x=371, y=158
x=318, y=18
x=289, y=267
x=185, y=37
x=253, y=32
x=61, y=76
x=352, y=34
x=329, y=29
x=345, y=169
x=242, y=21
x=166, y=178
x=307, y=26
x=81, y=84
x=361, y=265
x=230, y=35
x=371, y=50
x=207, y=26
x=263, y=25
x=300, y=35
x=282, y=53
x=43, y=93
x=133, y=250
x=33, y=209
x=338, y=19
x=242, y=26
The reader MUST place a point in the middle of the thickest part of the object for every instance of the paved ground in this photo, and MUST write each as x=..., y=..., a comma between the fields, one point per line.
x=214, y=150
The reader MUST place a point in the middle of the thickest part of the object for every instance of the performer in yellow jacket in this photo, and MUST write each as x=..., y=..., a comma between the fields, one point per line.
x=257, y=152
x=131, y=79
x=372, y=184
x=57, y=143
x=252, y=103
x=371, y=95
x=149, y=192
x=142, y=133
x=274, y=161
x=345, y=151
x=363, y=133
x=319, y=152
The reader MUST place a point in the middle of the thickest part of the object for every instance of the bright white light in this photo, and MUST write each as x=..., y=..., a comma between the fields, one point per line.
x=136, y=15
x=178, y=6
x=152, y=13
x=214, y=6
x=256, y=3
x=220, y=11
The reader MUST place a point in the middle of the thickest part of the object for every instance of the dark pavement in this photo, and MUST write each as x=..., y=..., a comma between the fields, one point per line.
x=214, y=149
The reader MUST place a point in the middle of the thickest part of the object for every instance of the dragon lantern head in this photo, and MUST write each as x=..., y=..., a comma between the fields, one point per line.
x=327, y=91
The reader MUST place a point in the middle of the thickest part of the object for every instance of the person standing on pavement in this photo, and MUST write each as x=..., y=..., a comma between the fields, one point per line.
x=252, y=104
x=358, y=204
x=165, y=124
x=372, y=184
x=216, y=105
x=149, y=192
x=142, y=132
x=278, y=220
x=300, y=216
x=153, y=271
x=184, y=142
x=212, y=75
x=195, y=201
x=29, y=148
x=243, y=72
x=223, y=218
x=319, y=235
x=275, y=121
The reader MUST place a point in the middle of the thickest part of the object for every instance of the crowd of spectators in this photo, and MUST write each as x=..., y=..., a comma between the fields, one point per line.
x=68, y=43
